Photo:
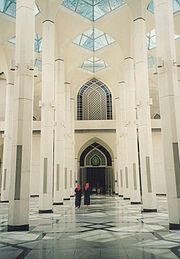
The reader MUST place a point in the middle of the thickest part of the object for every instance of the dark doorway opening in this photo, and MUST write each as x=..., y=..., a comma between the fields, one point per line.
x=96, y=178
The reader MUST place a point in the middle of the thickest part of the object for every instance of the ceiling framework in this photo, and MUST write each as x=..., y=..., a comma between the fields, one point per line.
x=88, y=45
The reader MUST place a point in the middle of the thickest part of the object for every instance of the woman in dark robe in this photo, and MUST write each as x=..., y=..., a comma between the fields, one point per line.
x=78, y=194
x=87, y=192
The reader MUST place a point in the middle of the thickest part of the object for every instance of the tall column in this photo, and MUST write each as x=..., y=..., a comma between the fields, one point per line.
x=6, y=169
x=132, y=132
x=72, y=178
x=123, y=141
x=68, y=145
x=143, y=107
x=47, y=117
x=115, y=176
x=77, y=168
x=169, y=95
x=59, y=149
x=18, y=215
x=118, y=147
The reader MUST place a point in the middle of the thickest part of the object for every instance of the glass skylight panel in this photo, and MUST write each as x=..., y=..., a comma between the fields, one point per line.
x=151, y=39
x=94, y=64
x=38, y=64
x=9, y=7
x=93, y=40
x=176, y=6
x=93, y=9
x=37, y=42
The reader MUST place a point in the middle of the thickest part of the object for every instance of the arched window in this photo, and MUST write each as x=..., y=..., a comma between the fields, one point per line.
x=94, y=101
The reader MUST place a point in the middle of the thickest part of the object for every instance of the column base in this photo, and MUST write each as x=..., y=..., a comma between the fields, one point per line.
x=45, y=211
x=66, y=199
x=149, y=210
x=126, y=198
x=58, y=203
x=71, y=196
x=173, y=226
x=4, y=201
x=120, y=195
x=18, y=228
x=134, y=202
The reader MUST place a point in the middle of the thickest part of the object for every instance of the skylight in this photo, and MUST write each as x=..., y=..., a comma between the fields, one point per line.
x=151, y=39
x=9, y=7
x=38, y=64
x=37, y=42
x=94, y=64
x=176, y=6
x=93, y=9
x=93, y=40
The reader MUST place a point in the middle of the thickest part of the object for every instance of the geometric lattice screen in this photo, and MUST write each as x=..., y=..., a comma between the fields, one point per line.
x=95, y=158
x=94, y=101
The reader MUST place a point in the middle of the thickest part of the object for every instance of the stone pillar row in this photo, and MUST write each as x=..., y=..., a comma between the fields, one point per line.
x=58, y=137
x=169, y=96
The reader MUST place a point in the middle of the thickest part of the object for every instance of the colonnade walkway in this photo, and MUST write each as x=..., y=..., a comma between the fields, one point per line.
x=110, y=228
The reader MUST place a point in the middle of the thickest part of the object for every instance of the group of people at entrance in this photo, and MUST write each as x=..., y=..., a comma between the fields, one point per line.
x=78, y=195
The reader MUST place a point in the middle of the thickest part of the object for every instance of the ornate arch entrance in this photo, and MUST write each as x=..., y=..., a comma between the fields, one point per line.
x=96, y=168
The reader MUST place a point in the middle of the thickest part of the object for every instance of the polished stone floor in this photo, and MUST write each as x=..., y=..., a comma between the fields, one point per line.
x=110, y=228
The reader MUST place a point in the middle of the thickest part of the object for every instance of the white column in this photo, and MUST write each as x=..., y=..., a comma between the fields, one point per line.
x=18, y=215
x=132, y=132
x=169, y=95
x=68, y=145
x=7, y=152
x=76, y=169
x=47, y=118
x=72, y=178
x=123, y=139
x=143, y=109
x=59, y=149
x=118, y=151
x=116, y=175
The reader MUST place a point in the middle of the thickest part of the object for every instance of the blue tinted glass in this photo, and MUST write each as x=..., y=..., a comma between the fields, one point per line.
x=93, y=40
x=94, y=64
x=9, y=7
x=37, y=43
x=38, y=64
x=176, y=6
x=93, y=9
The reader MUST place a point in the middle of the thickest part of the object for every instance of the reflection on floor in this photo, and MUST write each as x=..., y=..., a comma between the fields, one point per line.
x=110, y=228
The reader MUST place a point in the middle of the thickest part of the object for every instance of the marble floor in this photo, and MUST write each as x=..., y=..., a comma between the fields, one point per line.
x=110, y=228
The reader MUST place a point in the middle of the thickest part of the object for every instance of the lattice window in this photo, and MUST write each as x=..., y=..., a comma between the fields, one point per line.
x=94, y=101
x=95, y=158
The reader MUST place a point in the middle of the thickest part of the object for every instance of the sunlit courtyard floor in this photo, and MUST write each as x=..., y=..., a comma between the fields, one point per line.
x=110, y=228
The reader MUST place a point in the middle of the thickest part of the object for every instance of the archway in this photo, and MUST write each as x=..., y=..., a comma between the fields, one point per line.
x=96, y=168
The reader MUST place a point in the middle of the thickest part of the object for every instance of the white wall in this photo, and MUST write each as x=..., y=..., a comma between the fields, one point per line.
x=108, y=138
x=35, y=165
x=159, y=162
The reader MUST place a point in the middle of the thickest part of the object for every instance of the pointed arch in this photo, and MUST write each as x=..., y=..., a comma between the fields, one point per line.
x=94, y=101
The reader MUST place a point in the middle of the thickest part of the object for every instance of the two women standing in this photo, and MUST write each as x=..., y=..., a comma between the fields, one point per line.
x=78, y=194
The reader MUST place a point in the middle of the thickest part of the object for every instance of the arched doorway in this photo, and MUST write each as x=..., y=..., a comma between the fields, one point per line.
x=96, y=168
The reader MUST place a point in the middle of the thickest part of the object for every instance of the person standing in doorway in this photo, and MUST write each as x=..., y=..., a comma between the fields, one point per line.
x=87, y=193
x=78, y=194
